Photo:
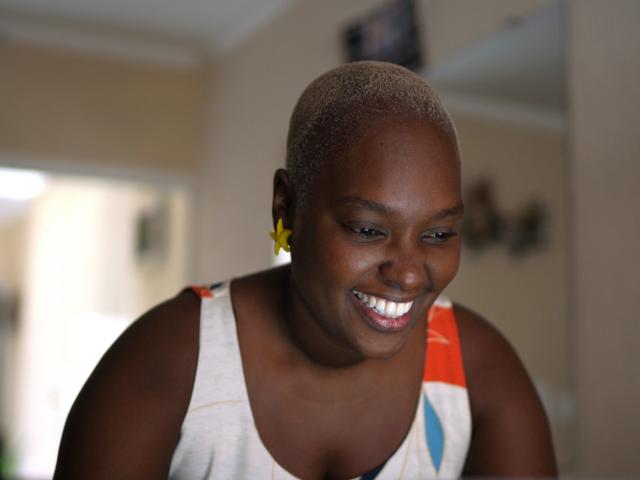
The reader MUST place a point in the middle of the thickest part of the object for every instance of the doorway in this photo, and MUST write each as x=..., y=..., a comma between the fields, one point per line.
x=80, y=258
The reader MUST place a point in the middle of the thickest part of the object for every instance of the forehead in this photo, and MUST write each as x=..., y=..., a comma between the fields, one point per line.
x=398, y=163
x=408, y=143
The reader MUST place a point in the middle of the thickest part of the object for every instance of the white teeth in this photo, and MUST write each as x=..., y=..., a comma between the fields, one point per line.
x=390, y=309
x=384, y=307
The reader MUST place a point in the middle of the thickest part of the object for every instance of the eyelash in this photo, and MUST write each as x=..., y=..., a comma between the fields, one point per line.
x=372, y=233
x=368, y=233
x=439, y=237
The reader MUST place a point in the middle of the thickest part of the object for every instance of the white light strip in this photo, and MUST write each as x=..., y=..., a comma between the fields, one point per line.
x=21, y=185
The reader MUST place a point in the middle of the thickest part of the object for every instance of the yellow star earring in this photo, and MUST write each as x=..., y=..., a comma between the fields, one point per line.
x=281, y=237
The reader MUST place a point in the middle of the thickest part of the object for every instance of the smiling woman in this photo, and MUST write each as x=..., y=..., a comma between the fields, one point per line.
x=347, y=363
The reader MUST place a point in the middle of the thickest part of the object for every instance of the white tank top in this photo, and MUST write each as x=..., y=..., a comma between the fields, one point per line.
x=219, y=439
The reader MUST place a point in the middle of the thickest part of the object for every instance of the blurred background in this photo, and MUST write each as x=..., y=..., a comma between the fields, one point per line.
x=138, y=139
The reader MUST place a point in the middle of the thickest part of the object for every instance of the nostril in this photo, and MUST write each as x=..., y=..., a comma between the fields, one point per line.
x=404, y=275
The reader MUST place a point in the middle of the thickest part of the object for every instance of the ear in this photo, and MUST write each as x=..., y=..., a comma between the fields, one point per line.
x=284, y=199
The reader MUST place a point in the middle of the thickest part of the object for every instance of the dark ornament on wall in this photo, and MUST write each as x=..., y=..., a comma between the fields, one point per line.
x=483, y=223
x=151, y=233
x=487, y=224
x=526, y=229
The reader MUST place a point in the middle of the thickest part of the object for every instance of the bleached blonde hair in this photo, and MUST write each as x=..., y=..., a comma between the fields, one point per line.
x=337, y=105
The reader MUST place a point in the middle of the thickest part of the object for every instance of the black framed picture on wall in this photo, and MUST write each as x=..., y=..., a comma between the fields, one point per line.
x=390, y=34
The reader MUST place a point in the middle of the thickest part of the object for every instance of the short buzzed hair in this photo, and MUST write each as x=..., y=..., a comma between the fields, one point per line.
x=334, y=107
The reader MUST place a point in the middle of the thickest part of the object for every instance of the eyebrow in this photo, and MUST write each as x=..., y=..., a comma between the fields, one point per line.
x=360, y=202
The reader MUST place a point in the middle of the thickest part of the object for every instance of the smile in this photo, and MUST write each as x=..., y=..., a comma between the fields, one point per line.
x=383, y=307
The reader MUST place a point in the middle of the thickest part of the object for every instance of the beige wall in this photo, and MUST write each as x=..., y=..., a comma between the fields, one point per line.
x=605, y=101
x=70, y=109
x=12, y=237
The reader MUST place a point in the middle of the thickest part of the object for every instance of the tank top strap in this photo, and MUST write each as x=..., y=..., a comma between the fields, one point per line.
x=209, y=291
x=445, y=400
x=219, y=375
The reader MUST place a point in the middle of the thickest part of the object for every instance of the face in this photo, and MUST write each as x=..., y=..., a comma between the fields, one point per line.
x=378, y=238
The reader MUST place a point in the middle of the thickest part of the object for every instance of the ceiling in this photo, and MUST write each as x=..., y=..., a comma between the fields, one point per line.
x=216, y=25
x=524, y=63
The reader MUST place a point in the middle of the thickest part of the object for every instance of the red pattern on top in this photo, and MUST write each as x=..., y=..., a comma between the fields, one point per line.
x=443, y=361
x=202, y=292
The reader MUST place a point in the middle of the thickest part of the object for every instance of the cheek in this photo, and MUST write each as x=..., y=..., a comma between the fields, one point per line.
x=352, y=257
x=444, y=266
x=319, y=254
x=333, y=254
x=345, y=262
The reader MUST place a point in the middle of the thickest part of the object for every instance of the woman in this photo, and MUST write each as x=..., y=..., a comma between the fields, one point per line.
x=345, y=363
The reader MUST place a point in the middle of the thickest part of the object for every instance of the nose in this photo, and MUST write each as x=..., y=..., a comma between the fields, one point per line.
x=405, y=271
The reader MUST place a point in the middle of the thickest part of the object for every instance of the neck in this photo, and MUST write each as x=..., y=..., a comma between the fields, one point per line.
x=319, y=365
x=309, y=336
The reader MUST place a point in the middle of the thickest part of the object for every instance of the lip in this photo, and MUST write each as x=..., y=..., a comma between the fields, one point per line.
x=380, y=322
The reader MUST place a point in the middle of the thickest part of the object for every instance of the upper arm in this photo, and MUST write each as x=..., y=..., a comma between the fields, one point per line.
x=511, y=435
x=125, y=423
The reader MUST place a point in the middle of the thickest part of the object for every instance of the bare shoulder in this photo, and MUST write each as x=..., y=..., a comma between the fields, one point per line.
x=485, y=350
x=126, y=420
x=511, y=435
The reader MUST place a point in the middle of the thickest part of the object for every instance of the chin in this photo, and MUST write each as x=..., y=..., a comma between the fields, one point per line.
x=382, y=346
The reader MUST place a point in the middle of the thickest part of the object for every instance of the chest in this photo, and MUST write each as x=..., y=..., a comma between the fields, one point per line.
x=340, y=439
